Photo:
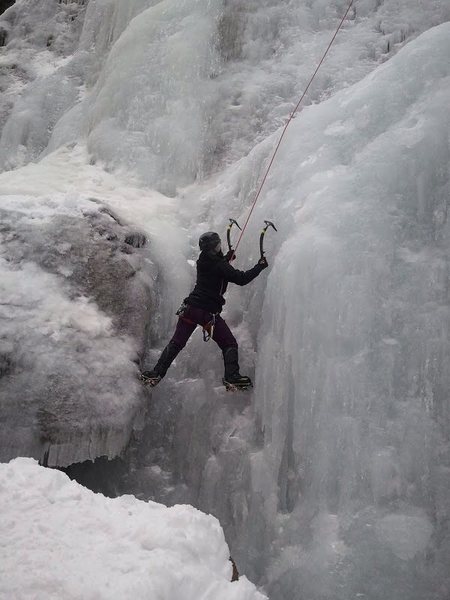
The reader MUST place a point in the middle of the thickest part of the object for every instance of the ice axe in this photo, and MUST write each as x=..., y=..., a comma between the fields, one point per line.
x=232, y=222
x=263, y=233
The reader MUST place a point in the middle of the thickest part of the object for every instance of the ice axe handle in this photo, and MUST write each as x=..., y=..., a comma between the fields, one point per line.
x=232, y=222
x=263, y=233
x=261, y=243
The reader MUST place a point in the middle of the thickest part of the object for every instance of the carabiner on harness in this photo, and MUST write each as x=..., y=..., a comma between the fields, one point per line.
x=180, y=312
x=208, y=329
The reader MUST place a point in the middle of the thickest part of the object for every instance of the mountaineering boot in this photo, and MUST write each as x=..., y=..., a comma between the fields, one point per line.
x=232, y=378
x=167, y=357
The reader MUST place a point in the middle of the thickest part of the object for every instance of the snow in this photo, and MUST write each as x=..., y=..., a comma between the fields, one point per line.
x=65, y=322
x=60, y=540
x=65, y=180
x=333, y=478
x=38, y=80
x=232, y=73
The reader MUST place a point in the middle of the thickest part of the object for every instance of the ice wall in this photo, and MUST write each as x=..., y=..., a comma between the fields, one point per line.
x=334, y=483
x=38, y=79
x=352, y=378
x=346, y=490
x=185, y=87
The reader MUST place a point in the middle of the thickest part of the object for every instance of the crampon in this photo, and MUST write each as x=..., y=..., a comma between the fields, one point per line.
x=237, y=386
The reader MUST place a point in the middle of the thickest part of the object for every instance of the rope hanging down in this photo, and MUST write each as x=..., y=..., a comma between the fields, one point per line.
x=291, y=116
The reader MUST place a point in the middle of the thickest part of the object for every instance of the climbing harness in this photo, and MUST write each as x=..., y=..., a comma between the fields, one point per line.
x=207, y=328
x=291, y=116
x=263, y=233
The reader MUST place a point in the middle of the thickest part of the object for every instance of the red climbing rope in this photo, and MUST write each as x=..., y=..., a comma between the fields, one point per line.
x=291, y=116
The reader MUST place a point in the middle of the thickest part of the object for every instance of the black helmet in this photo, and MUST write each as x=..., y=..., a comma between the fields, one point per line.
x=209, y=240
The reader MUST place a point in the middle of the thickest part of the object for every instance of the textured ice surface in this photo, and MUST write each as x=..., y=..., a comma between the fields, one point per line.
x=351, y=371
x=75, y=297
x=38, y=83
x=404, y=535
x=72, y=306
x=176, y=90
x=347, y=436
x=77, y=288
x=60, y=540
x=351, y=397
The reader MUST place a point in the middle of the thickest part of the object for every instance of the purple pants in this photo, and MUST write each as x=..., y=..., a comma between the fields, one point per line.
x=194, y=316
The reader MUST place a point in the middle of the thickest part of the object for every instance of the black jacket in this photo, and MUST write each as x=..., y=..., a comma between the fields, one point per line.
x=214, y=273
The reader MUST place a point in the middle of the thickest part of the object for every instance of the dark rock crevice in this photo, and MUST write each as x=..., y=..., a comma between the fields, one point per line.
x=4, y=5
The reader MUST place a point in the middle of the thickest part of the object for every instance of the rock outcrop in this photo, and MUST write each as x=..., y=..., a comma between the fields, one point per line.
x=74, y=303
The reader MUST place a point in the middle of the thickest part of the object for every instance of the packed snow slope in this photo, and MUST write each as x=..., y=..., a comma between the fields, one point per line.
x=334, y=483
x=60, y=540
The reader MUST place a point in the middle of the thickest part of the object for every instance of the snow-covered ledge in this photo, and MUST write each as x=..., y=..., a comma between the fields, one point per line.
x=60, y=540
x=74, y=305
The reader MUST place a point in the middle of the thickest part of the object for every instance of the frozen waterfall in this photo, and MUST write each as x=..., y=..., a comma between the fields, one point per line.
x=127, y=129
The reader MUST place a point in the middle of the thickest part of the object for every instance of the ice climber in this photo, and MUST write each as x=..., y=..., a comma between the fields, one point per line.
x=203, y=307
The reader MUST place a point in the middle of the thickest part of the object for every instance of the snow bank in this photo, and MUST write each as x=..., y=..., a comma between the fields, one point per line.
x=60, y=540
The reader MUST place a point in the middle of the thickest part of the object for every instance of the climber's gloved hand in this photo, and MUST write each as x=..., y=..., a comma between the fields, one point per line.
x=230, y=255
x=263, y=262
